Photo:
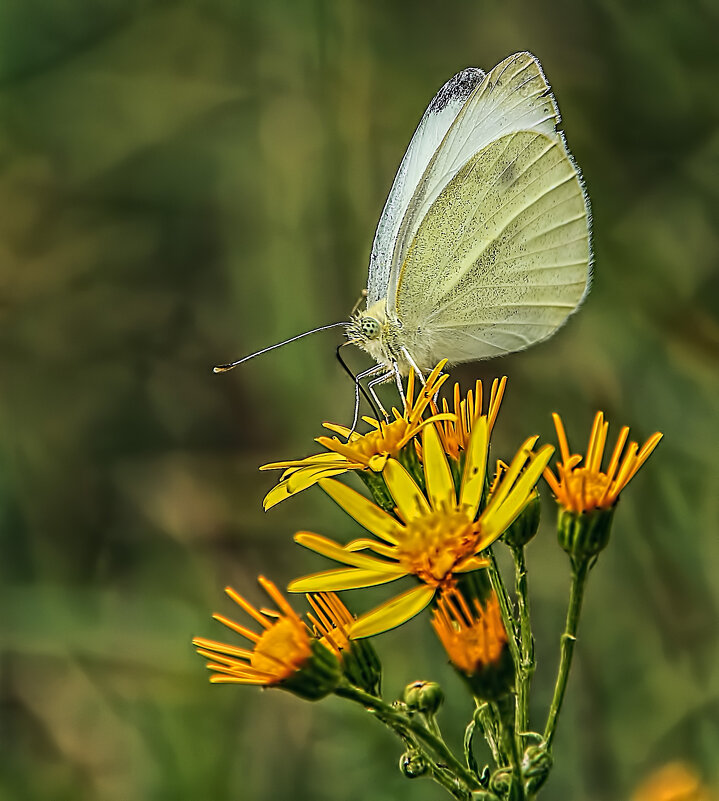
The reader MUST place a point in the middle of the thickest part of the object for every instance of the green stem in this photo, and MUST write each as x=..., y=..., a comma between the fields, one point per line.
x=504, y=606
x=579, y=576
x=490, y=727
x=463, y=780
x=503, y=711
x=527, y=664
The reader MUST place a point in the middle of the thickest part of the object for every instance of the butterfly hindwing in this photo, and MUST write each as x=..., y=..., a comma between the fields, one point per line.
x=502, y=256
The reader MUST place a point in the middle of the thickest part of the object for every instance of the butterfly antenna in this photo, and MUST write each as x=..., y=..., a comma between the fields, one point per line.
x=223, y=368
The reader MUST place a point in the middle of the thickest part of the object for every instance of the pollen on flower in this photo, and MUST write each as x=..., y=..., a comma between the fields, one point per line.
x=473, y=638
x=435, y=543
x=581, y=484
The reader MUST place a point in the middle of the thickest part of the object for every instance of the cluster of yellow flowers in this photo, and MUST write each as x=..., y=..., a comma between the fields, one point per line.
x=432, y=516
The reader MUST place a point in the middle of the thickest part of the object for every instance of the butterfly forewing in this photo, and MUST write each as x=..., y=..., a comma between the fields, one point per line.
x=433, y=126
x=501, y=257
x=514, y=96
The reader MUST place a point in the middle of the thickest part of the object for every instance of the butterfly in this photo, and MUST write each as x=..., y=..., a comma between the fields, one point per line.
x=483, y=246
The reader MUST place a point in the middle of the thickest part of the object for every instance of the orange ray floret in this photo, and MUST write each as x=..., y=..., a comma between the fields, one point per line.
x=580, y=484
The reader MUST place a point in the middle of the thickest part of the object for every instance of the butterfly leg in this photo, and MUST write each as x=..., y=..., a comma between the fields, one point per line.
x=364, y=374
x=407, y=355
x=398, y=381
x=370, y=388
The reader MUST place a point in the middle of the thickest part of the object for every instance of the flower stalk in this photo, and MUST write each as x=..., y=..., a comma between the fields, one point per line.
x=580, y=570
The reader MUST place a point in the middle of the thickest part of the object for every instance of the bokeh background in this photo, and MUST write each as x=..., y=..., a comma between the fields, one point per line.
x=182, y=182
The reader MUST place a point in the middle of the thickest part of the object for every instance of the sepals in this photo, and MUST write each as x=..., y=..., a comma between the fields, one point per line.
x=524, y=528
x=318, y=676
x=362, y=667
x=584, y=535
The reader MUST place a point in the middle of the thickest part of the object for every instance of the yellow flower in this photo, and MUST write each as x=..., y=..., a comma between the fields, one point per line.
x=455, y=431
x=360, y=451
x=673, y=782
x=435, y=538
x=474, y=639
x=584, y=487
x=285, y=653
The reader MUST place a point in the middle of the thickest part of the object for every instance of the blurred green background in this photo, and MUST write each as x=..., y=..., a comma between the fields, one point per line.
x=182, y=182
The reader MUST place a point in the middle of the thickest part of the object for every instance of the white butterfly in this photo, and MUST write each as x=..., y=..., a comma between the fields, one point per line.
x=483, y=246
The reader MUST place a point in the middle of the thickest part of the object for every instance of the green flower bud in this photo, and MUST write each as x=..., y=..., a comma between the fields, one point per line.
x=413, y=764
x=423, y=696
x=583, y=535
x=501, y=781
x=525, y=526
x=536, y=766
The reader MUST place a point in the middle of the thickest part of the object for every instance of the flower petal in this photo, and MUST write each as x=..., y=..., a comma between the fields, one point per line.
x=298, y=481
x=475, y=466
x=407, y=495
x=342, y=579
x=440, y=485
x=332, y=550
x=514, y=469
x=392, y=613
x=366, y=513
x=308, y=461
x=469, y=564
x=499, y=515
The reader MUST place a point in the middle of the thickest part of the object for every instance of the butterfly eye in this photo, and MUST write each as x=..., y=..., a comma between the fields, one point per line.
x=370, y=327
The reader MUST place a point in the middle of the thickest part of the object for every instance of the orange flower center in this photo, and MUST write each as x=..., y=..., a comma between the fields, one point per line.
x=590, y=485
x=282, y=649
x=434, y=544
x=383, y=442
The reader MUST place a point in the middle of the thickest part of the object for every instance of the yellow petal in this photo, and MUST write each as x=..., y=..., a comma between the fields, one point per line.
x=472, y=563
x=342, y=579
x=514, y=469
x=343, y=431
x=499, y=515
x=332, y=550
x=440, y=485
x=407, y=495
x=365, y=512
x=475, y=466
x=392, y=613
x=298, y=481
x=308, y=461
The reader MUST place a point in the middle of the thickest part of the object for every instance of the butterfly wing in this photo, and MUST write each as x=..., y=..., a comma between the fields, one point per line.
x=501, y=258
x=433, y=126
x=514, y=96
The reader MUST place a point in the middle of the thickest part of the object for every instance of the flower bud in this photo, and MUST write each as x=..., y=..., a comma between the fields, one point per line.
x=536, y=765
x=525, y=526
x=413, y=764
x=583, y=535
x=423, y=696
x=501, y=781
x=475, y=640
